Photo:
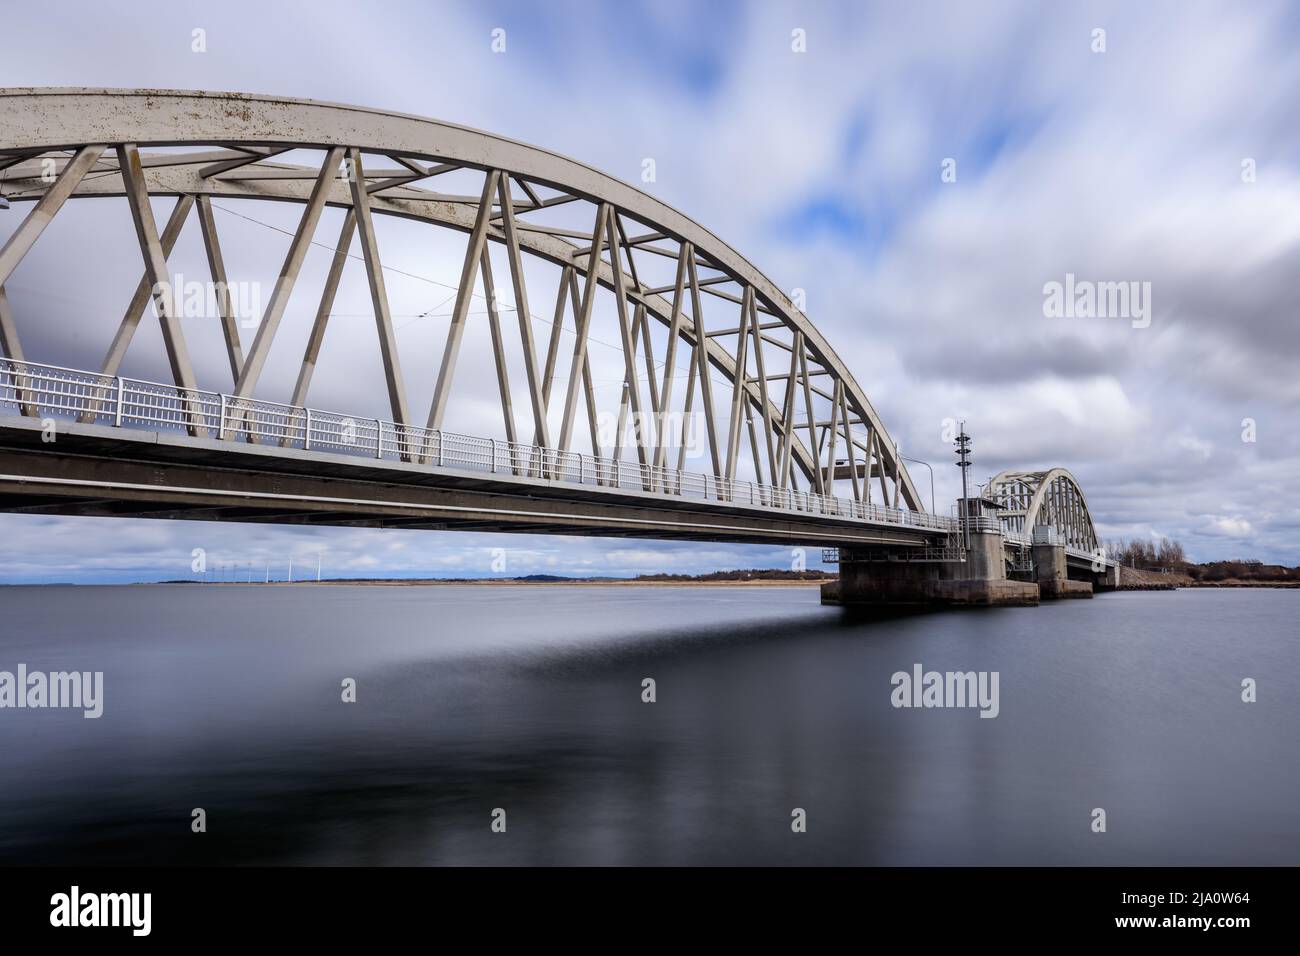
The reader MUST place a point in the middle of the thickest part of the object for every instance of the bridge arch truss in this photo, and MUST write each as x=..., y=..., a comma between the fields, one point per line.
x=786, y=398
x=1052, y=498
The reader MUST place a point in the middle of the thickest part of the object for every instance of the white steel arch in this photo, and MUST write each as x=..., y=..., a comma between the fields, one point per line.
x=786, y=383
x=1052, y=498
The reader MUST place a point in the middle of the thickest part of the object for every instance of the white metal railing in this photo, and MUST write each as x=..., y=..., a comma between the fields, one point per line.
x=1025, y=539
x=36, y=389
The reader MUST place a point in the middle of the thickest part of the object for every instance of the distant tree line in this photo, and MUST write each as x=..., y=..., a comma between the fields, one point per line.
x=1147, y=554
x=1166, y=554
x=1240, y=570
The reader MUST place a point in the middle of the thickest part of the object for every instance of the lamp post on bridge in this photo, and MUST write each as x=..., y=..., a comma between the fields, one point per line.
x=918, y=461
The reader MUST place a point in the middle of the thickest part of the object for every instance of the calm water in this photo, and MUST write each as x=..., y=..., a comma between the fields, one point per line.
x=529, y=699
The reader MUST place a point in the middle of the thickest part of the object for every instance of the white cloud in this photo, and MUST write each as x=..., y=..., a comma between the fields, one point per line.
x=1231, y=527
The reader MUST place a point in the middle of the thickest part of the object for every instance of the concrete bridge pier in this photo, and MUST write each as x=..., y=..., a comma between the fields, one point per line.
x=971, y=569
x=871, y=579
x=1051, y=570
x=1107, y=580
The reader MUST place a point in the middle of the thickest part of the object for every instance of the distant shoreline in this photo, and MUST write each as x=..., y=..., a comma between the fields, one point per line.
x=1177, y=585
x=1132, y=579
x=508, y=582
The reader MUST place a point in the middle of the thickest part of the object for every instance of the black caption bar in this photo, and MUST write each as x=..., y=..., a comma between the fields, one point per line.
x=334, y=905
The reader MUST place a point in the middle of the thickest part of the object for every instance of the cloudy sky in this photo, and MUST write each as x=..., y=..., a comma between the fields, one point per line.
x=922, y=170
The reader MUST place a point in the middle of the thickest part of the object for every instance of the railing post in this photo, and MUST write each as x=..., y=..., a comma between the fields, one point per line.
x=379, y=438
x=221, y=424
x=121, y=391
x=494, y=455
x=306, y=430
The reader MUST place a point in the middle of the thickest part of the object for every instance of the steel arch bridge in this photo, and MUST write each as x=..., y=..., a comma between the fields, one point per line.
x=756, y=371
x=1053, y=499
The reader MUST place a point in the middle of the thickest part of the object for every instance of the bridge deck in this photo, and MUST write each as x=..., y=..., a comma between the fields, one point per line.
x=125, y=447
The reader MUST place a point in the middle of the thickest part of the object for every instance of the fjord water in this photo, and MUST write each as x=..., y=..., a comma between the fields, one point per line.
x=472, y=698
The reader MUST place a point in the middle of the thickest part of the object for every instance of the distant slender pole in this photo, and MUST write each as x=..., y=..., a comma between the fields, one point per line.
x=291, y=569
x=963, y=462
x=317, y=567
x=268, y=572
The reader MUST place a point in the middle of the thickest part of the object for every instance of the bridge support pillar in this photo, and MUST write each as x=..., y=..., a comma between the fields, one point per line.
x=1051, y=570
x=1107, y=580
x=984, y=560
x=869, y=579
